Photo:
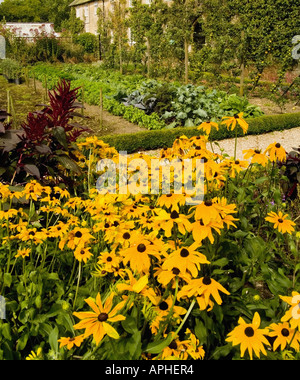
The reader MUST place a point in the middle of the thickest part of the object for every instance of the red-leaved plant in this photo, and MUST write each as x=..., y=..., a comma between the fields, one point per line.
x=45, y=140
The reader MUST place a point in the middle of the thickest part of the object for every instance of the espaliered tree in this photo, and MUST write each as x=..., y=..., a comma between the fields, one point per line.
x=252, y=34
x=148, y=24
x=183, y=16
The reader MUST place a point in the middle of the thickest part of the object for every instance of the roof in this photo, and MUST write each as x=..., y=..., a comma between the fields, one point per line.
x=79, y=2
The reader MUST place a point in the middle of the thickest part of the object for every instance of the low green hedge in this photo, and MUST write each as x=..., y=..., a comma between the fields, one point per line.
x=157, y=139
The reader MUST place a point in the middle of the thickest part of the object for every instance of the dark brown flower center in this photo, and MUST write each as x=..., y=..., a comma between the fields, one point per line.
x=277, y=145
x=163, y=305
x=208, y=203
x=141, y=248
x=257, y=151
x=175, y=271
x=206, y=280
x=78, y=234
x=249, y=332
x=285, y=332
x=174, y=214
x=173, y=345
x=184, y=252
x=280, y=220
x=109, y=259
x=102, y=317
x=126, y=235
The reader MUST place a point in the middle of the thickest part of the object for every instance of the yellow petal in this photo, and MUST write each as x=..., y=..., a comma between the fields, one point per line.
x=110, y=331
x=140, y=284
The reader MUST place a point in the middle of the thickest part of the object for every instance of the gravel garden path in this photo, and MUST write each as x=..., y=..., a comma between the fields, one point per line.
x=289, y=139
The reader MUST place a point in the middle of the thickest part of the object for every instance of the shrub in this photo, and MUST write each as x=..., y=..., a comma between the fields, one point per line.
x=88, y=41
x=43, y=146
x=149, y=140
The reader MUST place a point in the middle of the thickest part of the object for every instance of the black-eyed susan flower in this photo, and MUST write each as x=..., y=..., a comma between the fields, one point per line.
x=257, y=157
x=33, y=190
x=98, y=322
x=276, y=152
x=78, y=237
x=176, y=349
x=233, y=166
x=69, y=342
x=293, y=313
x=249, y=336
x=185, y=259
x=281, y=222
x=171, y=201
x=232, y=121
x=193, y=347
x=201, y=231
x=167, y=276
x=82, y=254
x=35, y=355
x=166, y=221
x=284, y=336
x=162, y=309
x=203, y=287
x=109, y=261
x=24, y=252
x=206, y=126
x=138, y=254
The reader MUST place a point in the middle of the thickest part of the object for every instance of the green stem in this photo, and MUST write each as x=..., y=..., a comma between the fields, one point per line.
x=235, y=144
x=185, y=317
x=77, y=286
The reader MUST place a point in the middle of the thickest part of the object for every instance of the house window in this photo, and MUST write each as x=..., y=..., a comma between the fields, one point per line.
x=86, y=14
x=130, y=40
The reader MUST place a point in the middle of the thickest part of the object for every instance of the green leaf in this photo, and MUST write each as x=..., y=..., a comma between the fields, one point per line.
x=32, y=170
x=200, y=331
x=22, y=341
x=68, y=163
x=129, y=325
x=60, y=135
x=7, y=279
x=157, y=347
x=53, y=336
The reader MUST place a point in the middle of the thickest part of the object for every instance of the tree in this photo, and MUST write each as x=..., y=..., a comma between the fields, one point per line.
x=183, y=16
x=54, y=11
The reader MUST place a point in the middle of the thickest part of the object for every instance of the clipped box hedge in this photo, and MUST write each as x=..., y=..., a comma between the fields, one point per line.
x=157, y=139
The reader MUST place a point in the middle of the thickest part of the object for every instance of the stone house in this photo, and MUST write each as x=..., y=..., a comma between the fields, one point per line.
x=87, y=11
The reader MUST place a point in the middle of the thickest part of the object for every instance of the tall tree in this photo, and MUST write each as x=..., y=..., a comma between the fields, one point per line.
x=183, y=16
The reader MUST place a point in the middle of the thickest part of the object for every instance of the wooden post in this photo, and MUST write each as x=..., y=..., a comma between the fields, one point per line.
x=46, y=88
x=34, y=83
x=8, y=105
x=82, y=100
x=242, y=77
x=26, y=77
x=101, y=108
x=186, y=61
x=12, y=109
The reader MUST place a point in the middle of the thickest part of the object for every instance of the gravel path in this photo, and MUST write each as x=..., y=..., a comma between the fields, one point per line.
x=289, y=139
